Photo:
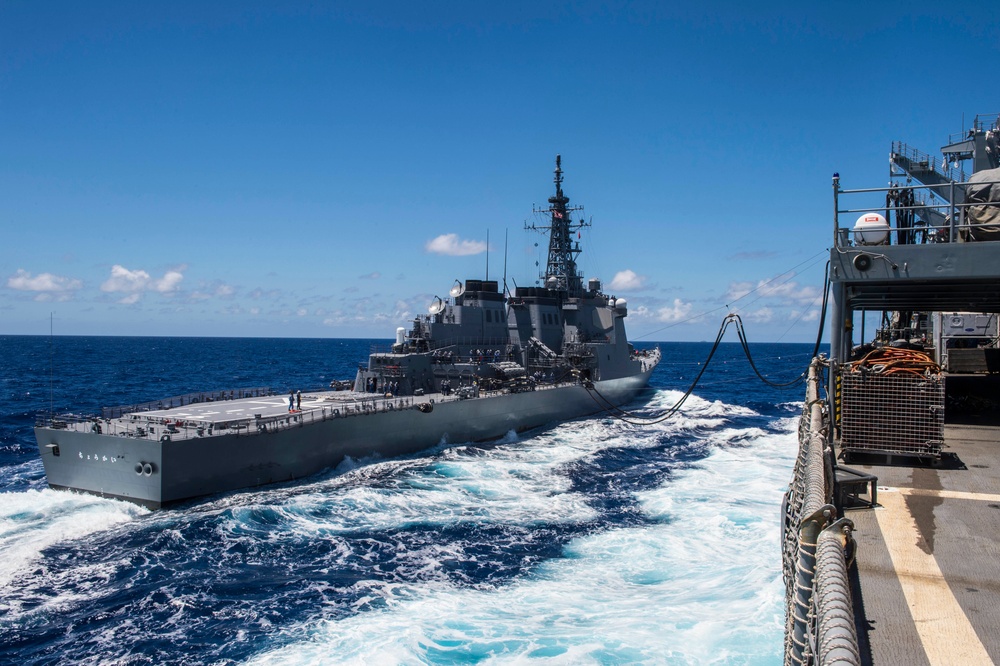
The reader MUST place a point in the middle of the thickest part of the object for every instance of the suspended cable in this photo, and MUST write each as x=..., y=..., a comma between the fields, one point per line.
x=632, y=419
x=790, y=273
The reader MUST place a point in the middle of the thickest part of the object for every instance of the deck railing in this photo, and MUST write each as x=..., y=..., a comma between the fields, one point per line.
x=819, y=620
x=952, y=212
x=186, y=399
x=140, y=424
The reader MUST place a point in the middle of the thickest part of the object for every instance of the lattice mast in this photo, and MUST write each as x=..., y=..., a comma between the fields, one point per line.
x=560, y=270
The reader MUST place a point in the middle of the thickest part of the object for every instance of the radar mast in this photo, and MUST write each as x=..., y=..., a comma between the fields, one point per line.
x=560, y=270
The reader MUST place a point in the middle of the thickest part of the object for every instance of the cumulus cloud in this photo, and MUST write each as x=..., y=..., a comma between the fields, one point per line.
x=49, y=287
x=789, y=291
x=451, y=245
x=676, y=312
x=134, y=283
x=369, y=312
x=627, y=280
x=806, y=315
x=760, y=315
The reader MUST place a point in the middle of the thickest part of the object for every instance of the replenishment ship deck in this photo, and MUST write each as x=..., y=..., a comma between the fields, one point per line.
x=928, y=558
x=891, y=523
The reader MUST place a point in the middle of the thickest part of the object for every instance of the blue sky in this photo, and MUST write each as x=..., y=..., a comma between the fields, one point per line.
x=325, y=169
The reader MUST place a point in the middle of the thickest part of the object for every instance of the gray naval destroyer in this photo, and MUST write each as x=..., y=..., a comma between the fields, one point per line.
x=480, y=364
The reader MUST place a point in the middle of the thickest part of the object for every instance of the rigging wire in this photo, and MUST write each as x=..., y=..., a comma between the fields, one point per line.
x=822, y=311
x=789, y=273
x=625, y=416
x=730, y=319
x=823, y=296
x=746, y=350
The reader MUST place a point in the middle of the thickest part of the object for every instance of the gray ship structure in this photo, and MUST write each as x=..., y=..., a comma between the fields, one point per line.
x=890, y=545
x=482, y=363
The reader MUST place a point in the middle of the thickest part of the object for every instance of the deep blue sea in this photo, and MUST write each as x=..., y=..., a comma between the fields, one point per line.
x=587, y=542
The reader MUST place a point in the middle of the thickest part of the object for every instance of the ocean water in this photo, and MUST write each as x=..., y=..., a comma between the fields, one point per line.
x=587, y=542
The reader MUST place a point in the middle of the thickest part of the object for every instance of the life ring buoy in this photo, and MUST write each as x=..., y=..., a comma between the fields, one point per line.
x=165, y=439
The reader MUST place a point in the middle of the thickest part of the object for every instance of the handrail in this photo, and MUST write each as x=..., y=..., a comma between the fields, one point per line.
x=954, y=213
x=186, y=399
x=819, y=618
x=914, y=155
x=138, y=424
x=982, y=121
x=436, y=345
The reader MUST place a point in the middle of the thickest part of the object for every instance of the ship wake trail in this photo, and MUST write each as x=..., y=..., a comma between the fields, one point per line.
x=651, y=590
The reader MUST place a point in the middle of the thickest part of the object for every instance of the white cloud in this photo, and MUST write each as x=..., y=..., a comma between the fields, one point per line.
x=135, y=283
x=627, y=280
x=449, y=244
x=790, y=291
x=49, y=287
x=804, y=315
x=760, y=316
x=169, y=281
x=371, y=276
x=676, y=312
x=336, y=319
x=122, y=279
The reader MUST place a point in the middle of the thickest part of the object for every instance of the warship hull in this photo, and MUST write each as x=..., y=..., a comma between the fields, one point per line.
x=515, y=361
x=188, y=458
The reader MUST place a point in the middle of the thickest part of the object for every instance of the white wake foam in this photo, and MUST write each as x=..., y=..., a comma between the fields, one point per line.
x=37, y=519
x=700, y=585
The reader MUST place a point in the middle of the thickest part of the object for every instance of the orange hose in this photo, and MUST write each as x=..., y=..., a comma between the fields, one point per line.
x=892, y=360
